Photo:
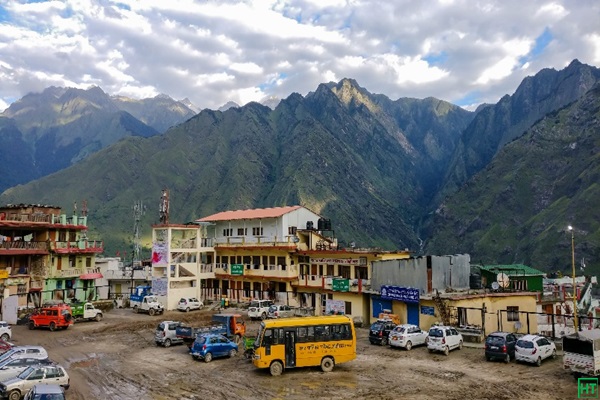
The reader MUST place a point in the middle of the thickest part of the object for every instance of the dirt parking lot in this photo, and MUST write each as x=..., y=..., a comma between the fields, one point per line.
x=118, y=359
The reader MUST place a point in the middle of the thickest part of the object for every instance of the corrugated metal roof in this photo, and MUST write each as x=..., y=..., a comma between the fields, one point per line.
x=255, y=213
x=512, y=269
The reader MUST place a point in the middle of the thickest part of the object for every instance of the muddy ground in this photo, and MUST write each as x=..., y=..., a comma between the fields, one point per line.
x=118, y=359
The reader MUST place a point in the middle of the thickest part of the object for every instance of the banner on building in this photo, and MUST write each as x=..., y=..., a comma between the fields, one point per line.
x=407, y=295
x=159, y=286
x=237, y=269
x=338, y=261
x=340, y=285
x=426, y=310
x=335, y=307
x=159, y=254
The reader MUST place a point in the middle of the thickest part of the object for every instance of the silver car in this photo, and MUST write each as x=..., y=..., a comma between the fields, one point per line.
x=189, y=303
x=280, y=311
x=14, y=366
x=19, y=386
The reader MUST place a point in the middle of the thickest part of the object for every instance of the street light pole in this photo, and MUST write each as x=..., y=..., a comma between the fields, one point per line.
x=575, y=319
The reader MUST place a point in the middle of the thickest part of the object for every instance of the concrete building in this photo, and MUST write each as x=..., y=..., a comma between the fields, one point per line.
x=118, y=281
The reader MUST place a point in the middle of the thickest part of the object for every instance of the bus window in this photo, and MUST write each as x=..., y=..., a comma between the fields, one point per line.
x=302, y=333
x=268, y=338
x=346, y=332
x=322, y=333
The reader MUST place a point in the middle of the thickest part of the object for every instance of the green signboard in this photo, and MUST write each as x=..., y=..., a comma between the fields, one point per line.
x=341, y=285
x=237, y=269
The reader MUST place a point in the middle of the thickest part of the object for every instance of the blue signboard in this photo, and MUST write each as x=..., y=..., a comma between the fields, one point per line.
x=427, y=310
x=407, y=295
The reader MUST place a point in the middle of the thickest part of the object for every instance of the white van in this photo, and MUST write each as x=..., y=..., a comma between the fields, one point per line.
x=259, y=309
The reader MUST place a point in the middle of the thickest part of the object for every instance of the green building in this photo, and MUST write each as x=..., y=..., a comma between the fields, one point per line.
x=514, y=277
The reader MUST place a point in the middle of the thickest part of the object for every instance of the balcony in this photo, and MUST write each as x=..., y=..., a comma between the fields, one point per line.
x=22, y=247
x=190, y=244
x=119, y=274
x=82, y=246
x=255, y=241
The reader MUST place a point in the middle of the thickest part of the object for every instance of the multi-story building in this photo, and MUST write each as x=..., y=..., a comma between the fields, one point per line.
x=182, y=262
x=45, y=255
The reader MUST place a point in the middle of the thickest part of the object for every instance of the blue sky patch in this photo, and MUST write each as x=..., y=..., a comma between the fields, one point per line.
x=469, y=99
x=436, y=59
x=123, y=6
x=4, y=15
x=541, y=42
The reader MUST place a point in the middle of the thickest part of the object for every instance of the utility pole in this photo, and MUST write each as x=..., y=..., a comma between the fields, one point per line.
x=164, y=207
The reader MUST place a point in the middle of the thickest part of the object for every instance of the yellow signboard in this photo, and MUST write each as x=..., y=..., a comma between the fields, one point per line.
x=3, y=274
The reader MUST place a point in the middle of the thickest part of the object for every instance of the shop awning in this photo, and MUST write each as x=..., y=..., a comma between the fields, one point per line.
x=93, y=275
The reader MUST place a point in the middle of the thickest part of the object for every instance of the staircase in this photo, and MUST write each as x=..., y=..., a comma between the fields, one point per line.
x=443, y=309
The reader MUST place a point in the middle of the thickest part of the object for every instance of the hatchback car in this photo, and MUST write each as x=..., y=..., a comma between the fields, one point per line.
x=281, y=311
x=444, y=339
x=20, y=385
x=500, y=345
x=407, y=336
x=166, y=333
x=189, y=303
x=207, y=347
x=5, y=331
x=14, y=366
x=30, y=351
x=534, y=349
x=46, y=392
x=380, y=331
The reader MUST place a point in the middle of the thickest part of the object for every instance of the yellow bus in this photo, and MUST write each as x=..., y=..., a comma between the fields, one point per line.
x=304, y=342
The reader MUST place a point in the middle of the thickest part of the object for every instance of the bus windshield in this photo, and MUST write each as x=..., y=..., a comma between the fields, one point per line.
x=261, y=330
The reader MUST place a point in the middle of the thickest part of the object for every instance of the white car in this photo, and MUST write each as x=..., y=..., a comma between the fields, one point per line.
x=444, y=338
x=189, y=303
x=533, y=349
x=407, y=336
x=22, y=351
x=281, y=311
x=14, y=366
x=259, y=309
x=5, y=331
x=20, y=385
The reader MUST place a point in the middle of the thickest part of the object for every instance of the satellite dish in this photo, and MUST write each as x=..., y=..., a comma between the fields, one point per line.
x=495, y=285
x=503, y=280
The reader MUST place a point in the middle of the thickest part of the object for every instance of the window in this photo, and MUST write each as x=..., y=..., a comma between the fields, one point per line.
x=88, y=262
x=257, y=231
x=37, y=374
x=348, y=307
x=52, y=373
x=228, y=232
x=512, y=313
x=344, y=271
x=242, y=231
x=292, y=230
x=330, y=270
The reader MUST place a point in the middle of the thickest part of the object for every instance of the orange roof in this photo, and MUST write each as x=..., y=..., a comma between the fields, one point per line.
x=255, y=213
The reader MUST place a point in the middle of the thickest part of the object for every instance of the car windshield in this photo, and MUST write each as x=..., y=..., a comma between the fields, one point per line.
x=183, y=301
x=495, y=340
x=160, y=327
x=525, y=344
x=399, y=329
x=25, y=374
x=8, y=354
x=272, y=308
x=48, y=396
x=436, y=332
x=200, y=339
x=254, y=304
x=376, y=326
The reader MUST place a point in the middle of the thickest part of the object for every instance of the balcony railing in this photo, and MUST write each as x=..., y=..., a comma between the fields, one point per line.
x=58, y=219
x=261, y=270
x=326, y=282
x=191, y=243
x=95, y=246
x=22, y=245
x=254, y=241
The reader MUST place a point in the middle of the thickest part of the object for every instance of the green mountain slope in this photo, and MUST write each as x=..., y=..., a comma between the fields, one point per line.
x=518, y=208
x=328, y=152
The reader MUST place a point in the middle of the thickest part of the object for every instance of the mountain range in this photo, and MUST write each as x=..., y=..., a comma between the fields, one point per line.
x=500, y=183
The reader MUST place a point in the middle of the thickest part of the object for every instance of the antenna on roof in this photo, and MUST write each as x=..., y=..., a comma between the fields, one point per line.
x=164, y=207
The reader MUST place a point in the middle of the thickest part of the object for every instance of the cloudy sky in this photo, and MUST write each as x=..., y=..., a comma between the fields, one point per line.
x=211, y=52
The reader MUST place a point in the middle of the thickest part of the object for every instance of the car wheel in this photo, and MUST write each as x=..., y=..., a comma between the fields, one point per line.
x=208, y=357
x=507, y=358
x=14, y=395
x=31, y=325
x=152, y=311
x=167, y=343
x=460, y=344
x=232, y=353
x=538, y=362
x=98, y=317
x=5, y=337
x=194, y=357
x=52, y=326
x=408, y=345
x=384, y=342
x=327, y=364
x=554, y=354
x=276, y=368
x=237, y=339
x=446, y=350
x=187, y=309
x=263, y=316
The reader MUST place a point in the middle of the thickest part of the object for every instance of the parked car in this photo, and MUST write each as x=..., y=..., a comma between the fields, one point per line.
x=12, y=367
x=207, y=347
x=259, y=309
x=189, y=303
x=5, y=346
x=534, y=349
x=281, y=311
x=52, y=317
x=46, y=392
x=380, y=331
x=20, y=385
x=500, y=345
x=5, y=331
x=166, y=335
x=31, y=351
x=444, y=338
x=407, y=336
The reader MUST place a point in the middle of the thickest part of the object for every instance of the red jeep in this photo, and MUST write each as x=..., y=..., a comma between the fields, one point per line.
x=53, y=317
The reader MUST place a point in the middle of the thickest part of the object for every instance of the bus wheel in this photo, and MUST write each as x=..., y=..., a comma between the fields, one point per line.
x=327, y=364
x=276, y=368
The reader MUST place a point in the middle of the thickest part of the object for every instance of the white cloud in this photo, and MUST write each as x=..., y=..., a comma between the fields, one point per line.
x=215, y=51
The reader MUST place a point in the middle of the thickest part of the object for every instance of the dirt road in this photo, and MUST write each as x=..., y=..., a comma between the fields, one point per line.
x=118, y=359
